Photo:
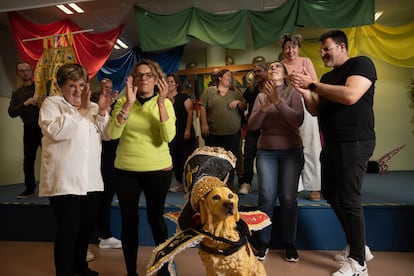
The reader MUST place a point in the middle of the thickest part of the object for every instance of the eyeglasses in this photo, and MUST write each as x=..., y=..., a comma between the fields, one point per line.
x=142, y=75
x=327, y=49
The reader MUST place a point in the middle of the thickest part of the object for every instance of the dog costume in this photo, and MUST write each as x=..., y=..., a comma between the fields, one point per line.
x=206, y=169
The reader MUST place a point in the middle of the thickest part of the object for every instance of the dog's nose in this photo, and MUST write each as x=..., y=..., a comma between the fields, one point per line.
x=228, y=205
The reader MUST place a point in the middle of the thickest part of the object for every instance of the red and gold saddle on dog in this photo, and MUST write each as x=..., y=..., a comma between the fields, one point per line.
x=192, y=237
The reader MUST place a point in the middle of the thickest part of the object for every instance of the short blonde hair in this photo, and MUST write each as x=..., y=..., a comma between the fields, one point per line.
x=71, y=71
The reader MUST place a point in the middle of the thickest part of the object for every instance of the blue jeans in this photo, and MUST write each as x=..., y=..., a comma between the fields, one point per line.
x=343, y=169
x=278, y=173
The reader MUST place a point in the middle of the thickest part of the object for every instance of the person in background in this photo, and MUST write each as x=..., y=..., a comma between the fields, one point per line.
x=70, y=173
x=343, y=101
x=278, y=113
x=24, y=105
x=250, y=140
x=106, y=239
x=221, y=111
x=144, y=123
x=184, y=142
x=309, y=130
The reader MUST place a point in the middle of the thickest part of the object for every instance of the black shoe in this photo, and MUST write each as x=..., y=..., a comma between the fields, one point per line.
x=28, y=193
x=291, y=255
x=88, y=272
x=260, y=249
x=261, y=254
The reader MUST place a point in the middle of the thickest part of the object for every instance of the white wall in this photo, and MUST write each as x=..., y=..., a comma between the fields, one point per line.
x=11, y=137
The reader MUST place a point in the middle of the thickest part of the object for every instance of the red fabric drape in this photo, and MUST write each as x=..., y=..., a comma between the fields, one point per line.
x=91, y=49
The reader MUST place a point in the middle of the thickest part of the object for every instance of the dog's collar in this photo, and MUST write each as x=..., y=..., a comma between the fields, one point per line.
x=242, y=228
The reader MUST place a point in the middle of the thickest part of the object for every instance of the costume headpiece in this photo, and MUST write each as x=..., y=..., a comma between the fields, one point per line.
x=215, y=162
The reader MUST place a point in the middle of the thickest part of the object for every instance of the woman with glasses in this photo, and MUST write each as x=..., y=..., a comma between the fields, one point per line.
x=221, y=110
x=278, y=113
x=144, y=122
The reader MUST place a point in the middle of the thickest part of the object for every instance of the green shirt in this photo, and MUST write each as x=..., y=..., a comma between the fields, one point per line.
x=221, y=119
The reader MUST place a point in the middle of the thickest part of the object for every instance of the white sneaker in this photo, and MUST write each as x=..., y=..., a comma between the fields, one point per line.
x=245, y=188
x=352, y=268
x=343, y=256
x=89, y=256
x=110, y=243
x=178, y=187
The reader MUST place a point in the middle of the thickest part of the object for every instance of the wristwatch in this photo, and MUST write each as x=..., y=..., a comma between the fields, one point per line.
x=312, y=86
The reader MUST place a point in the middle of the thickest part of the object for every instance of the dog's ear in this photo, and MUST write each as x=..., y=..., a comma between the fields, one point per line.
x=203, y=210
x=205, y=214
x=236, y=207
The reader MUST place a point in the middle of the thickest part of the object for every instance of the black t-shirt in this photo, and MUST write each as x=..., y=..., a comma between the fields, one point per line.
x=29, y=114
x=347, y=123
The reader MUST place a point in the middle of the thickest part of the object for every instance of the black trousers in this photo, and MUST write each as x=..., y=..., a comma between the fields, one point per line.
x=249, y=154
x=32, y=136
x=107, y=196
x=76, y=219
x=343, y=168
x=154, y=185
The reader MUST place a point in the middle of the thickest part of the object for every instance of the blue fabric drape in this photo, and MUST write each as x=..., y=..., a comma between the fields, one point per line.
x=118, y=69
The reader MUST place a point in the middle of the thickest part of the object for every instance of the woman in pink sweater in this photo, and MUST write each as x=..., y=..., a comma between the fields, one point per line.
x=278, y=113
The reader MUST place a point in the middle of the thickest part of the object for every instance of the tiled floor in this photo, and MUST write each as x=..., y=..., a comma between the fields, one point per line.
x=36, y=259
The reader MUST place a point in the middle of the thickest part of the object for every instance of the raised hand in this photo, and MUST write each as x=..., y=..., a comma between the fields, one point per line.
x=131, y=90
x=86, y=97
x=105, y=101
x=163, y=90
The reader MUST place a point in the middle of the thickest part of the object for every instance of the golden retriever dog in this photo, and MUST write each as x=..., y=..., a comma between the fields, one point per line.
x=221, y=252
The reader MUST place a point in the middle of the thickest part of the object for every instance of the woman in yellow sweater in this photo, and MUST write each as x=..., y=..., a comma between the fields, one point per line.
x=144, y=122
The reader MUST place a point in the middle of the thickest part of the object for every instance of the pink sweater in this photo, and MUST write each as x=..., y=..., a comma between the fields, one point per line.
x=279, y=125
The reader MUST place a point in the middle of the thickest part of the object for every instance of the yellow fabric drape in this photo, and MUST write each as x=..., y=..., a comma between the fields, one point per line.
x=393, y=45
x=57, y=51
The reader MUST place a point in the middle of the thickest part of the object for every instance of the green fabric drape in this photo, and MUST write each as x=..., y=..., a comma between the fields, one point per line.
x=268, y=26
x=225, y=30
x=336, y=13
x=390, y=44
x=158, y=32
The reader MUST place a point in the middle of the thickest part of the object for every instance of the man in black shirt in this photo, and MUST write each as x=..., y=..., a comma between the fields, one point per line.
x=24, y=104
x=343, y=101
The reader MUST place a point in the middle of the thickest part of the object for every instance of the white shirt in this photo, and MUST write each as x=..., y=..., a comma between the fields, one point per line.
x=71, y=148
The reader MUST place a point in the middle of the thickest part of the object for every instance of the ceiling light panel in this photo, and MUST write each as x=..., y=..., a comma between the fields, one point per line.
x=64, y=9
x=76, y=8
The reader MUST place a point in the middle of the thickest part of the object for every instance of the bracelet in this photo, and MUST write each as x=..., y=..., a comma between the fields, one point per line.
x=124, y=115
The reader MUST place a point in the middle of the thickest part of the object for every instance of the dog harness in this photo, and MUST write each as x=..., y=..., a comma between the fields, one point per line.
x=244, y=233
